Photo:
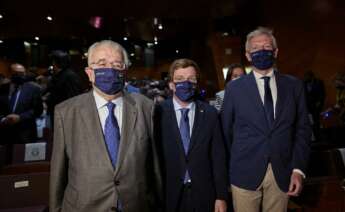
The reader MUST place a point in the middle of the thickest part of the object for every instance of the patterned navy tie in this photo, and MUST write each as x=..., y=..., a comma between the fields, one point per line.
x=185, y=136
x=268, y=103
x=112, y=134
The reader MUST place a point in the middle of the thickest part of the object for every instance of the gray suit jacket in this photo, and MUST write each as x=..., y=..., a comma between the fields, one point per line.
x=82, y=176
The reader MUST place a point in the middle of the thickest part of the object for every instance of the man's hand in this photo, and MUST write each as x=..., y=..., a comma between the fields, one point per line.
x=295, y=187
x=12, y=119
x=220, y=206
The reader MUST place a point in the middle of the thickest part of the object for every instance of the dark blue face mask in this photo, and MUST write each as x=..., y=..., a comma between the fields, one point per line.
x=185, y=90
x=18, y=79
x=262, y=59
x=110, y=81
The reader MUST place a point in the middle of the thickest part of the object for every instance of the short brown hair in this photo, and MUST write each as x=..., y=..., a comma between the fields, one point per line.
x=182, y=63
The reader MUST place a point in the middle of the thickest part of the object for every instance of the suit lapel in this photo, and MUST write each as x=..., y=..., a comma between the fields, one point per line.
x=281, y=97
x=175, y=131
x=254, y=94
x=93, y=127
x=129, y=117
x=198, y=120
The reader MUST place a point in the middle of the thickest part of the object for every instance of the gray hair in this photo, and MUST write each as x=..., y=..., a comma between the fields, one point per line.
x=261, y=31
x=111, y=44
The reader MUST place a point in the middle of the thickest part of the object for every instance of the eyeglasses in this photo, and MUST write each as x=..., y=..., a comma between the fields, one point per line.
x=104, y=64
x=181, y=79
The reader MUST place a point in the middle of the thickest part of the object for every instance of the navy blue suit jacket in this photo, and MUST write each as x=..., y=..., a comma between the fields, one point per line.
x=206, y=158
x=252, y=144
x=29, y=107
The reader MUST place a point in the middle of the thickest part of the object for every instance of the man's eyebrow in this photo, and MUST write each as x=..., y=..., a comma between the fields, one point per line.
x=99, y=61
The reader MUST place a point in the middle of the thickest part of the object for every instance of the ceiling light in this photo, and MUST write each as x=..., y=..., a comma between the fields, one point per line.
x=1, y=41
x=125, y=38
x=1, y=16
x=160, y=26
x=37, y=38
x=49, y=18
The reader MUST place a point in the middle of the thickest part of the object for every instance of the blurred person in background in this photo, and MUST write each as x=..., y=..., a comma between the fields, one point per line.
x=21, y=104
x=235, y=71
x=64, y=83
x=315, y=95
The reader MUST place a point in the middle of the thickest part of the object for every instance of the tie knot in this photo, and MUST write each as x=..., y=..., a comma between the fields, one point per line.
x=266, y=79
x=184, y=112
x=110, y=106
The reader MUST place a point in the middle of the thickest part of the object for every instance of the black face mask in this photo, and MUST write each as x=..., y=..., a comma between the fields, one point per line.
x=18, y=79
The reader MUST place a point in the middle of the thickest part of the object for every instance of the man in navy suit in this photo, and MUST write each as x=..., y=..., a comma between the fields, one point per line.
x=266, y=127
x=193, y=149
x=21, y=104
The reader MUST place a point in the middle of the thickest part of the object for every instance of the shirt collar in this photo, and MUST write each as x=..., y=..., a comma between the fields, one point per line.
x=259, y=76
x=101, y=102
x=177, y=106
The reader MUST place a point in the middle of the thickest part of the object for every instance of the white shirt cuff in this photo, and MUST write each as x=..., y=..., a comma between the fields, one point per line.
x=299, y=172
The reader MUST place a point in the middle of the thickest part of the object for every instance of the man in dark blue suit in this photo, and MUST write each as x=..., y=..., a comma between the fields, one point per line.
x=192, y=148
x=21, y=104
x=266, y=127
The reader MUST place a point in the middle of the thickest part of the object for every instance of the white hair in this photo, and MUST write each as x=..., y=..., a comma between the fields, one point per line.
x=261, y=31
x=111, y=44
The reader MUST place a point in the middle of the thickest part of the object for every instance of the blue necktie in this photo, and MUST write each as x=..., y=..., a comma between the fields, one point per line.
x=14, y=99
x=112, y=134
x=185, y=136
x=268, y=103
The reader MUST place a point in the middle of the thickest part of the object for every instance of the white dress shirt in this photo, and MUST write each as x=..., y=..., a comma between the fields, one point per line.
x=103, y=110
x=273, y=85
x=261, y=86
x=191, y=114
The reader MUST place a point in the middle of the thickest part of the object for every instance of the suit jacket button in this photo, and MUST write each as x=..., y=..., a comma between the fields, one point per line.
x=117, y=182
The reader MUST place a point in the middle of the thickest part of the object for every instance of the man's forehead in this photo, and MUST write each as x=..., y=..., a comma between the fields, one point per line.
x=261, y=39
x=105, y=52
x=190, y=70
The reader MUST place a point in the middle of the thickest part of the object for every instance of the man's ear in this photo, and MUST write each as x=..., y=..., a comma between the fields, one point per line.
x=276, y=53
x=172, y=86
x=249, y=58
x=90, y=74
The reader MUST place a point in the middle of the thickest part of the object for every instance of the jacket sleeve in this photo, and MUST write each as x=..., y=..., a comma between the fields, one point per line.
x=59, y=166
x=219, y=162
x=227, y=119
x=36, y=108
x=157, y=174
x=301, y=148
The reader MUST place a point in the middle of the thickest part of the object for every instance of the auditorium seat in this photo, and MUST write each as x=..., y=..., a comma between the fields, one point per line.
x=2, y=156
x=24, y=190
x=25, y=168
x=21, y=155
x=42, y=208
x=323, y=189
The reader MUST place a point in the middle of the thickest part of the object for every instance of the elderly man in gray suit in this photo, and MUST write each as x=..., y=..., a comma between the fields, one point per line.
x=104, y=157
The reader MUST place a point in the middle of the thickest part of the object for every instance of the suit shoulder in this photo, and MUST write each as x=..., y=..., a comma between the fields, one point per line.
x=141, y=99
x=73, y=102
x=207, y=107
